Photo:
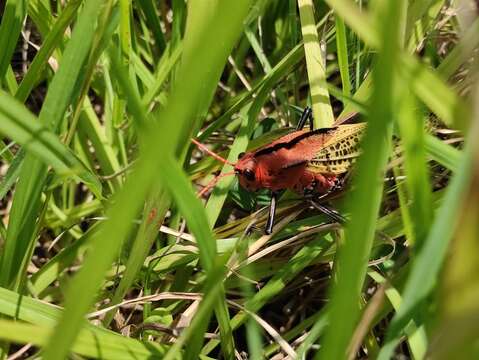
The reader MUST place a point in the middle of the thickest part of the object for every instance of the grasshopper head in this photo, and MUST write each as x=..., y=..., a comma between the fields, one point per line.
x=247, y=171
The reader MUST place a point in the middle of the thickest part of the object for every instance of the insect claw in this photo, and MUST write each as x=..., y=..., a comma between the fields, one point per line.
x=211, y=153
x=212, y=183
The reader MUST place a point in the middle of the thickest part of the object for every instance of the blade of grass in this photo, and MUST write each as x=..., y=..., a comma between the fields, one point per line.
x=429, y=260
x=443, y=101
x=93, y=345
x=462, y=51
x=359, y=21
x=12, y=174
x=26, y=203
x=149, y=11
x=304, y=257
x=220, y=192
x=365, y=200
x=90, y=127
x=20, y=125
x=316, y=65
x=52, y=270
x=197, y=221
x=191, y=95
x=52, y=41
x=104, y=247
x=443, y=153
x=45, y=316
x=166, y=64
x=416, y=335
x=158, y=204
x=417, y=175
x=11, y=81
x=41, y=12
x=343, y=62
x=316, y=330
x=12, y=19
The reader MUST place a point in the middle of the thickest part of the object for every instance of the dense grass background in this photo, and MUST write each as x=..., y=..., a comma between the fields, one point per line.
x=106, y=251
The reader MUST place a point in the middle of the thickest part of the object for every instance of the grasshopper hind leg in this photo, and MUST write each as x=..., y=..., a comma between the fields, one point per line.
x=329, y=212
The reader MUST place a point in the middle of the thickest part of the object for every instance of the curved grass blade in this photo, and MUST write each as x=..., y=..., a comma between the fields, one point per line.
x=52, y=41
x=365, y=200
x=21, y=126
x=40, y=315
x=26, y=203
x=13, y=16
x=12, y=173
x=89, y=343
x=429, y=260
x=192, y=93
x=443, y=101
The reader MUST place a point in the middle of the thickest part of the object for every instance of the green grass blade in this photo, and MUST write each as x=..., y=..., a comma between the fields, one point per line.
x=220, y=192
x=166, y=64
x=26, y=203
x=316, y=65
x=417, y=175
x=280, y=279
x=416, y=335
x=359, y=21
x=12, y=19
x=41, y=12
x=365, y=200
x=104, y=247
x=461, y=52
x=429, y=260
x=52, y=41
x=149, y=11
x=90, y=344
x=45, y=316
x=343, y=61
x=443, y=101
x=90, y=127
x=12, y=174
x=169, y=137
x=443, y=153
x=20, y=125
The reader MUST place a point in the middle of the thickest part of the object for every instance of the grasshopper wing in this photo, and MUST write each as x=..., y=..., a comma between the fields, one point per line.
x=339, y=152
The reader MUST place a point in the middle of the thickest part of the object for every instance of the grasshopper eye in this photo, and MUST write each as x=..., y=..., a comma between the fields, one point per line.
x=240, y=155
x=249, y=174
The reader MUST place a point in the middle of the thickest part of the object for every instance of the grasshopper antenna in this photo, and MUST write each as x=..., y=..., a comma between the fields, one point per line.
x=211, y=153
x=213, y=182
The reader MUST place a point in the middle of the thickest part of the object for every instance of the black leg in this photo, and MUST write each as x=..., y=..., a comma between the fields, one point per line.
x=272, y=210
x=331, y=213
x=307, y=114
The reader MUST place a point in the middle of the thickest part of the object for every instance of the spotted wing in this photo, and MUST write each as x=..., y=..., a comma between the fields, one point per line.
x=340, y=151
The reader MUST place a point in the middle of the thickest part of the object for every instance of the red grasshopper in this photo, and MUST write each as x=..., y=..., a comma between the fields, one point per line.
x=311, y=163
